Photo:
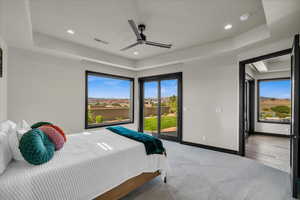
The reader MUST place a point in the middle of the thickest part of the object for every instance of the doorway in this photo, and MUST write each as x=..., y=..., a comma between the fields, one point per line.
x=277, y=113
x=268, y=142
x=161, y=106
x=249, y=105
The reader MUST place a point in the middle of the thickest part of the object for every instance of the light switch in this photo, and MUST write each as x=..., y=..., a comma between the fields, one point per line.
x=218, y=110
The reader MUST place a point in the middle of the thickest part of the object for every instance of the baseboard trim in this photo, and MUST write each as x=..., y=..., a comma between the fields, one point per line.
x=270, y=134
x=210, y=147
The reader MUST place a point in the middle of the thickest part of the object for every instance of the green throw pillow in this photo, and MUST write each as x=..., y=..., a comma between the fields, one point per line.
x=36, y=148
x=38, y=124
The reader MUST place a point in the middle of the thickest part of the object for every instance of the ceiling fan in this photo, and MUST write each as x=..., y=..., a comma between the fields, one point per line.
x=141, y=38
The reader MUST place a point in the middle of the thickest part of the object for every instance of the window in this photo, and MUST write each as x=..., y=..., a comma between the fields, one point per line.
x=109, y=100
x=274, y=103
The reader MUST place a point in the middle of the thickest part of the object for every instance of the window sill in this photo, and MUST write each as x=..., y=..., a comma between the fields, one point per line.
x=106, y=125
x=272, y=122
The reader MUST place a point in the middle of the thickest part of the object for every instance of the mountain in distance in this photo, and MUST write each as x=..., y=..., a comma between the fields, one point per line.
x=268, y=102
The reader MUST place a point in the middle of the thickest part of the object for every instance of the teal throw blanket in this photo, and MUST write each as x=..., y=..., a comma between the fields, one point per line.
x=152, y=145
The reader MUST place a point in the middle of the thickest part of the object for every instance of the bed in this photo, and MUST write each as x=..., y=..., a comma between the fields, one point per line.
x=92, y=165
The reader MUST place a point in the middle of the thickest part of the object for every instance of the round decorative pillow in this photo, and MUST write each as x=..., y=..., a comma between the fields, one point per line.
x=56, y=138
x=35, y=147
x=59, y=130
x=38, y=124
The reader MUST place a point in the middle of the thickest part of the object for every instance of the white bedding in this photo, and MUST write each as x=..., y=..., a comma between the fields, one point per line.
x=90, y=164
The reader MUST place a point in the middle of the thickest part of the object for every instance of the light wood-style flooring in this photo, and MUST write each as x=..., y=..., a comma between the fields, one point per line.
x=269, y=150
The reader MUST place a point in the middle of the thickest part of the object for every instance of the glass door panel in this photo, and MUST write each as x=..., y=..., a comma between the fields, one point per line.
x=168, y=107
x=161, y=106
x=151, y=101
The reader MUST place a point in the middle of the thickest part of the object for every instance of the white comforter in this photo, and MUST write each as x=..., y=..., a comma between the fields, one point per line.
x=90, y=164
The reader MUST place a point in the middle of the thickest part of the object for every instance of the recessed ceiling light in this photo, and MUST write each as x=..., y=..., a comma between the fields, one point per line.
x=70, y=31
x=228, y=26
x=244, y=17
x=136, y=53
x=260, y=66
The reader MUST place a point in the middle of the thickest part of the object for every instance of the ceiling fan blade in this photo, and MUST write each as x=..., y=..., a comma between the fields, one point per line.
x=130, y=46
x=135, y=29
x=159, y=44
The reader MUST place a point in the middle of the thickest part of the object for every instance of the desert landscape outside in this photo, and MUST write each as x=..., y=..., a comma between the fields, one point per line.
x=168, y=107
x=110, y=100
x=275, y=100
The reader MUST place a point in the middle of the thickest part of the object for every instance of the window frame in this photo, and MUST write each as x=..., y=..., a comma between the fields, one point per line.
x=258, y=99
x=87, y=73
x=161, y=77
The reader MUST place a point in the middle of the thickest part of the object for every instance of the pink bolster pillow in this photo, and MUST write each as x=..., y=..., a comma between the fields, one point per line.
x=54, y=136
x=59, y=130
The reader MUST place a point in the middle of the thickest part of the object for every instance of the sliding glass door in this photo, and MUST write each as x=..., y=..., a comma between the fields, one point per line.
x=160, y=106
x=169, y=107
x=150, y=113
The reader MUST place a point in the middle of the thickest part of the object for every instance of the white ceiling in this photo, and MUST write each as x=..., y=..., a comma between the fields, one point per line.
x=279, y=59
x=183, y=23
x=277, y=64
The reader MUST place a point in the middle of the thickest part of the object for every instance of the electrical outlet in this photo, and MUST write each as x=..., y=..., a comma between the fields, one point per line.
x=203, y=138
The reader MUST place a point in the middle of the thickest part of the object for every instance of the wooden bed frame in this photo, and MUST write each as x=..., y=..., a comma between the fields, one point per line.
x=128, y=186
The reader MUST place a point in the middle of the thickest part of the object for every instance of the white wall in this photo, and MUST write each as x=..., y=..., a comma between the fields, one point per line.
x=43, y=87
x=50, y=88
x=283, y=129
x=3, y=82
x=208, y=86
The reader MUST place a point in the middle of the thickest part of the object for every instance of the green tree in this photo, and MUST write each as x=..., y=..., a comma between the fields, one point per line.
x=266, y=109
x=99, y=119
x=91, y=119
x=172, y=103
x=281, y=109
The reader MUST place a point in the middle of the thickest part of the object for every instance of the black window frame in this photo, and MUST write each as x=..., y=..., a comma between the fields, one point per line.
x=258, y=99
x=1, y=63
x=161, y=77
x=87, y=73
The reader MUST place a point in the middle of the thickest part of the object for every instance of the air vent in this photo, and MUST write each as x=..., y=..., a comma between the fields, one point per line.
x=1, y=63
x=101, y=41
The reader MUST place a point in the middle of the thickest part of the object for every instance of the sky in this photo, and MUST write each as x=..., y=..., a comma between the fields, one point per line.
x=102, y=87
x=275, y=89
x=168, y=88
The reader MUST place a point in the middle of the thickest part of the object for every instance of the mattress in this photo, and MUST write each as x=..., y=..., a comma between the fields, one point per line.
x=90, y=164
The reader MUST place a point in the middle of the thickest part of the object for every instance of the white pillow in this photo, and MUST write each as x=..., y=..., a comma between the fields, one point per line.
x=5, y=152
x=6, y=125
x=14, y=137
x=22, y=127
